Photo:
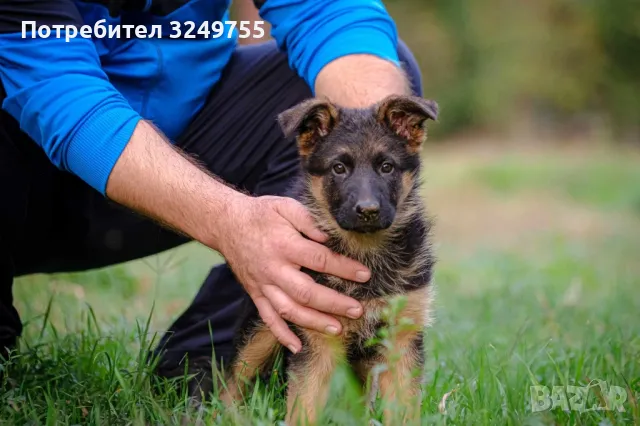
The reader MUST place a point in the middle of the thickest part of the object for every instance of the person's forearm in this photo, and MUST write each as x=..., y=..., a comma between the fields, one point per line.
x=155, y=179
x=358, y=81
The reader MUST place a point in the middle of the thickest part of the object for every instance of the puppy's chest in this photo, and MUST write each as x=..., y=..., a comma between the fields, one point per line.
x=356, y=333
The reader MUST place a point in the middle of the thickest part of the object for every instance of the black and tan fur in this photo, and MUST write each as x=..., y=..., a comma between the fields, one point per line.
x=394, y=245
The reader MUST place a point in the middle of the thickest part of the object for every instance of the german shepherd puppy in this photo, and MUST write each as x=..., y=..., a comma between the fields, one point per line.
x=360, y=181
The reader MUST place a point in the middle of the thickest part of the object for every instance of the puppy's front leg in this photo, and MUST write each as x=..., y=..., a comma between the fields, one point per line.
x=400, y=384
x=310, y=373
x=259, y=350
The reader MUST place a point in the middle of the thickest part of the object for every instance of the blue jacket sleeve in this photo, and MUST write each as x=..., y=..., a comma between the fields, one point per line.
x=59, y=94
x=314, y=33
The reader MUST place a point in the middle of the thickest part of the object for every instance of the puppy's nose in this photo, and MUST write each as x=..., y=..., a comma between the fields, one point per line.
x=368, y=210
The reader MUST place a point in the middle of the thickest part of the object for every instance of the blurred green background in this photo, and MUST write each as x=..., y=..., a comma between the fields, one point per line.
x=548, y=65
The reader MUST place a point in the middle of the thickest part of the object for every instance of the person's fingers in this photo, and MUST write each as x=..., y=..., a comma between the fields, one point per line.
x=320, y=259
x=277, y=325
x=300, y=218
x=300, y=315
x=303, y=290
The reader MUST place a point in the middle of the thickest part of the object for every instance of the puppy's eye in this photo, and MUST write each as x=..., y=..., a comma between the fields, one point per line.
x=386, y=168
x=339, y=169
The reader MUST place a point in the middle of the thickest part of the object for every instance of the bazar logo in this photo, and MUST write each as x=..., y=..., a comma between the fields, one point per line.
x=596, y=396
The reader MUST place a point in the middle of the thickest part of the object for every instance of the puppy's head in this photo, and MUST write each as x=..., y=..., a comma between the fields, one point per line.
x=361, y=163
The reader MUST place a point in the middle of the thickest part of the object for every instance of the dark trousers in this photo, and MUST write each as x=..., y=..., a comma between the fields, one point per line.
x=50, y=221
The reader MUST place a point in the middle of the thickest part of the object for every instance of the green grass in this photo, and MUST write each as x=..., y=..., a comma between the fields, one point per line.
x=554, y=308
x=612, y=183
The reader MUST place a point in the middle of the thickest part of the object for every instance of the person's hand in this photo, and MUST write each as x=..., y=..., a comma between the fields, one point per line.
x=263, y=246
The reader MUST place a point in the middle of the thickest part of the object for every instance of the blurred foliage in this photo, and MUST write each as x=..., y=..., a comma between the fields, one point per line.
x=566, y=65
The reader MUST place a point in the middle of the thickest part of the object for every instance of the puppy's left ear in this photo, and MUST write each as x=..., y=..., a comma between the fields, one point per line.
x=406, y=116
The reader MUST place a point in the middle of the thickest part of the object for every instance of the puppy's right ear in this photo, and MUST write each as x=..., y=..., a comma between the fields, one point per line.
x=309, y=121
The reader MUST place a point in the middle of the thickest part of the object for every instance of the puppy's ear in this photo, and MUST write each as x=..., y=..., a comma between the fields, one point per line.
x=309, y=121
x=406, y=116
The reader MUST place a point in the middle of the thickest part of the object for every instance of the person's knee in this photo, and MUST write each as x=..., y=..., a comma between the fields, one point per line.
x=272, y=63
x=411, y=67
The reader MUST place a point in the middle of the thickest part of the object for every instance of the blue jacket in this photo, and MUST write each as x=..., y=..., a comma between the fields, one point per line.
x=81, y=99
